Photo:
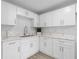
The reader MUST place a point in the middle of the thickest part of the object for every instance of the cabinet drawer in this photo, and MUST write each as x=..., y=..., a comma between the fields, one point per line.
x=65, y=42
x=10, y=43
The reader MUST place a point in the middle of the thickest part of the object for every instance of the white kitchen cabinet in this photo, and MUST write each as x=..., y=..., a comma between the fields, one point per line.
x=46, y=46
x=29, y=46
x=34, y=45
x=68, y=52
x=46, y=20
x=10, y=50
x=64, y=50
x=42, y=21
x=24, y=12
x=8, y=13
x=67, y=16
x=61, y=17
x=29, y=15
x=36, y=20
x=25, y=49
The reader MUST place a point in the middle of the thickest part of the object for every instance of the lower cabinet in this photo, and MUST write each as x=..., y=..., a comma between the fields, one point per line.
x=26, y=47
x=58, y=48
x=10, y=50
x=68, y=52
x=64, y=50
x=34, y=44
x=21, y=49
x=29, y=47
x=46, y=46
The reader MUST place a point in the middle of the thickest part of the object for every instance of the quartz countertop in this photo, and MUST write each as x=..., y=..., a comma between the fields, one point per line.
x=55, y=36
x=12, y=38
x=59, y=36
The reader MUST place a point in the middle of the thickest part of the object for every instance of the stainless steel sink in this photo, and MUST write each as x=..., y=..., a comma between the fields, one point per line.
x=27, y=36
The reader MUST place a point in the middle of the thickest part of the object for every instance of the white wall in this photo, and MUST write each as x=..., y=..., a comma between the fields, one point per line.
x=18, y=29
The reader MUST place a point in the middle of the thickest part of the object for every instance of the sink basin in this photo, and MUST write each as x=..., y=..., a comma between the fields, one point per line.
x=26, y=35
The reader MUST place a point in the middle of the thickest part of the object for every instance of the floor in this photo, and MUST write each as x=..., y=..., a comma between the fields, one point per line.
x=40, y=55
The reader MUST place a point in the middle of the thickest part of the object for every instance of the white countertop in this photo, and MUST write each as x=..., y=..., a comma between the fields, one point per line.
x=60, y=36
x=55, y=36
x=12, y=38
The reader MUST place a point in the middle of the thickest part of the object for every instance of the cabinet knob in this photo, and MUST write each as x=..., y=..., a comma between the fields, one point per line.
x=18, y=49
x=31, y=45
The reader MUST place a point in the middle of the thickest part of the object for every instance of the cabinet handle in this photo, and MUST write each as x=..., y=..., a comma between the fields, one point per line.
x=12, y=43
x=61, y=41
x=15, y=21
x=62, y=49
x=62, y=22
x=18, y=49
x=31, y=45
x=45, y=44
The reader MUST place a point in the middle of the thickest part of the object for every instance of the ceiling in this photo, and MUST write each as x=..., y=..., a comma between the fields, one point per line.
x=42, y=6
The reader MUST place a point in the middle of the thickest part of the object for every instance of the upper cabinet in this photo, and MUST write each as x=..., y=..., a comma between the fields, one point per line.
x=61, y=17
x=8, y=13
x=29, y=15
x=36, y=20
x=24, y=12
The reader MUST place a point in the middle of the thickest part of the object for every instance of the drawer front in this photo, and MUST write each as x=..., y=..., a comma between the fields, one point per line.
x=10, y=43
x=65, y=42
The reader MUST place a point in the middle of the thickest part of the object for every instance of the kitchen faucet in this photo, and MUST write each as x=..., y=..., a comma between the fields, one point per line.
x=25, y=31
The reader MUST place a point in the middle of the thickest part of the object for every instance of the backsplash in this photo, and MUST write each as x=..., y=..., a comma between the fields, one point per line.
x=68, y=30
x=18, y=29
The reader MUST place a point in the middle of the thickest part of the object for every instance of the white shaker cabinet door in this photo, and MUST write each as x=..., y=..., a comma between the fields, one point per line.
x=64, y=16
x=42, y=44
x=64, y=49
x=60, y=17
x=46, y=46
x=35, y=42
x=57, y=50
x=25, y=49
x=43, y=19
x=46, y=20
x=36, y=20
x=8, y=14
x=68, y=15
x=69, y=52
x=29, y=47
x=49, y=47
x=11, y=50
